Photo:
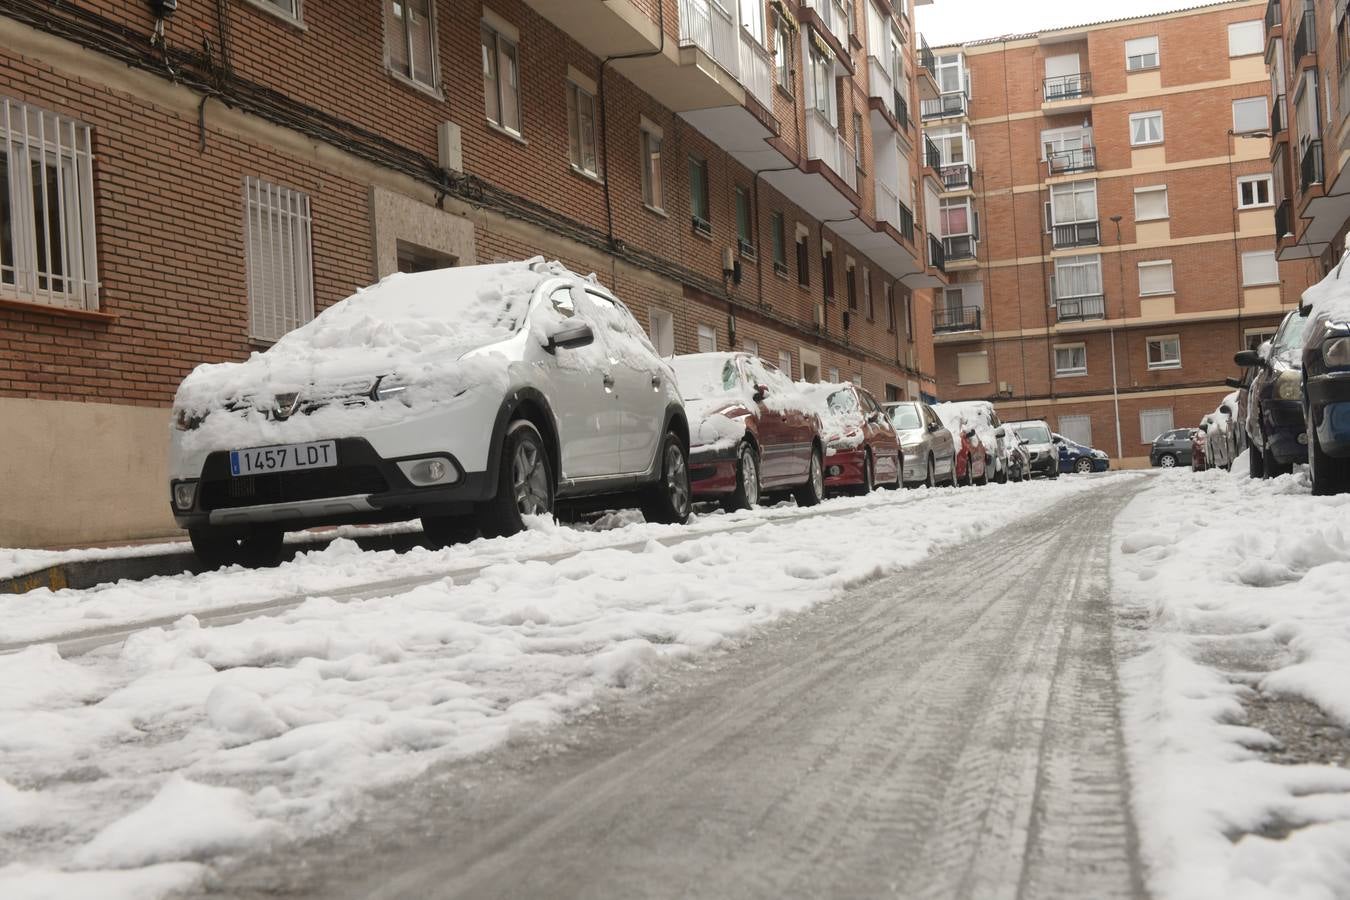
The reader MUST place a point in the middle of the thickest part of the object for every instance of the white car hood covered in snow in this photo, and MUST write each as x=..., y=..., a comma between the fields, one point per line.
x=1330, y=298
x=959, y=416
x=411, y=329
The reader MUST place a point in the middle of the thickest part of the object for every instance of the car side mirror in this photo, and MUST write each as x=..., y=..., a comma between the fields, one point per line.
x=761, y=391
x=1248, y=359
x=999, y=433
x=933, y=426
x=874, y=418
x=970, y=433
x=1023, y=441
x=1304, y=310
x=571, y=335
x=1233, y=382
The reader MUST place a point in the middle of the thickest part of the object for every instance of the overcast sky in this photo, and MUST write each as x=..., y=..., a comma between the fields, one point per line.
x=954, y=21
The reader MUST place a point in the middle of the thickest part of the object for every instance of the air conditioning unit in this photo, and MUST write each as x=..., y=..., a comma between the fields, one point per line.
x=450, y=151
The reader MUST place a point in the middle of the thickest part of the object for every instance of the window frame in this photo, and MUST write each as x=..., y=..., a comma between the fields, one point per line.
x=1156, y=53
x=778, y=230
x=1144, y=116
x=701, y=198
x=1275, y=269
x=709, y=332
x=745, y=223
x=1152, y=189
x=1070, y=371
x=410, y=78
x=301, y=262
x=1265, y=179
x=1073, y=189
x=500, y=39
x=576, y=146
x=1258, y=47
x=1171, y=423
x=1157, y=264
x=295, y=17
x=1263, y=121
x=1164, y=362
x=655, y=315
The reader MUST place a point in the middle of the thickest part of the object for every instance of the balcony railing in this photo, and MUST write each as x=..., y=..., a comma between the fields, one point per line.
x=959, y=246
x=932, y=156
x=957, y=318
x=888, y=203
x=835, y=17
x=956, y=177
x=937, y=257
x=829, y=146
x=902, y=111
x=1068, y=87
x=756, y=70
x=1062, y=162
x=1077, y=234
x=1076, y=309
x=1305, y=39
x=1278, y=121
x=1284, y=223
x=950, y=104
x=1310, y=169
x=713, y=30
x=926, y=58
x=1274, y=16
x=906, y=222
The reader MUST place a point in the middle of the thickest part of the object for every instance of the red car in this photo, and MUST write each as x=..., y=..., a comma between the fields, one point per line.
x=751, y=431
x=972, y=460
x=1198, y=461
x=861, y=447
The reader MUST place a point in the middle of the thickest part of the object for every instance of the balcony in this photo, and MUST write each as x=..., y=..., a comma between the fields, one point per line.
x=835, y=17
x=1064, y=162
x=947, y=320
x=1067, y=93
x=1284, y=222
x=1279, y=120
x=957, y=177
x=1274, y=19
x=1079, y=309
x=959, y=246
x=756, y=70
x=927, y=69
x=711, y=29
x=932, y=156
x=1310, y=168
x=1077, y=234
x=937, y=256
x=1305, y=39
x=880, y=84
x=611, y=28
x=906, y=222
x=945, y=106
x=828, y=146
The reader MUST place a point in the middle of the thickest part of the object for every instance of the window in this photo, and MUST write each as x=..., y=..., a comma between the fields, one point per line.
x=1259, y=267
x=827, y=269
x=1153, y=422
x=1255, y=337
x=1155, y=277
x=581, y=128
x=782, y=53
x=288, y=8
x=909, y=316
x=1078, y=276
x=869, y=309
x=779, y=229
x=858, y=140
x=653, y=185
x=47, y=246
x=698, y=195
x=412, y=258
x=803, y=257
x=820, y=84
x=1250, y=115
x=1245, y=38
x=1077, y=429
x=707, y=339
x=752, y=19
x=1141, y=53
x=1253, y=190
x=1150, y=203
x=1070, y=359
x=1146, y=128
x=751, y=346
x=410, y=33
x=888, y=306
x=661, y=328
x=951, y=75
x=1164, y=352
x=1074, y=202
x=501, y=79
x=744, y=232
x=851, y=283
x=277, y=259
x=834, y=375
x=785, y=362
x=972, y=368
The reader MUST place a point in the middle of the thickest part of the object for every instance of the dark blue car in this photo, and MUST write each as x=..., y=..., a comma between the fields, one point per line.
x=1273, y=385
x=1074, y=457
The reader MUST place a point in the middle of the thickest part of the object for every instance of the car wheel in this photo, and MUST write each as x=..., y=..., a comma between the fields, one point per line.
x=1167, y=461
x=899, y=473
x=443, y=531
x=1256, y=460
x=1083, y=466
x=746, y=495
x=261, y=548
x=668, y=500
x=984, y=474
x=813, y=491
x=930, y=480
x=869, y=475
x=1329, y=474
x=524, y=483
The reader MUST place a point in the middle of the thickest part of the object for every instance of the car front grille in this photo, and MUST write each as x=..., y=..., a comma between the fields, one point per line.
x=289, y=487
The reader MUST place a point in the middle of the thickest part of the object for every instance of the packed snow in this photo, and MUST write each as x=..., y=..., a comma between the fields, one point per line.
x=840, y=414
x=1330, y=297
x=1234, y=588
x=265, y=729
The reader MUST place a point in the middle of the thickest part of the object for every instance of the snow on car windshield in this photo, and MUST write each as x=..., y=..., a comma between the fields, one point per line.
x=1036, y=434
x=905, y=417
x=1330, y=297
x=843, y=401
x=703, y=375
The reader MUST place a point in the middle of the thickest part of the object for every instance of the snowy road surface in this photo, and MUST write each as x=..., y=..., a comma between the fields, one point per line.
x=950, y=731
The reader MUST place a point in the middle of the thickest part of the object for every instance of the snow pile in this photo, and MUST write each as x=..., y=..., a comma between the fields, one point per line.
x=962, y=415
x=1242, y=586
x=1330, y=297
x=840, y=415
x=303, y=710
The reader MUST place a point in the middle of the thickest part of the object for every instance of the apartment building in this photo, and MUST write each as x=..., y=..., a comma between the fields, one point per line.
x=1307, y=47
x=1104, y=200
x=201, y=178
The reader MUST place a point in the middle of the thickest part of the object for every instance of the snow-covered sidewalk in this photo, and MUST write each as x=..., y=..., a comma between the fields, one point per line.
x=127, y=771
x=1233, y=591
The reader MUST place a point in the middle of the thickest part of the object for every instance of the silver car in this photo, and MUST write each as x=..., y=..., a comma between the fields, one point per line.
x=927, y=447
x=1042, y=454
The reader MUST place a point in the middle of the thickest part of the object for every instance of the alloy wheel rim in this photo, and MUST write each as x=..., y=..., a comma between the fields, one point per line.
x=817, y=477
x=1084, y=466
x=530, y=480
x=677, y=482
x=750, y=478
x=1168, y=462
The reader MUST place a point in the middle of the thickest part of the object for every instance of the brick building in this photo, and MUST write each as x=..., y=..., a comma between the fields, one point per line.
x=202, y=182
x=1105, y=202
x=1307, y=47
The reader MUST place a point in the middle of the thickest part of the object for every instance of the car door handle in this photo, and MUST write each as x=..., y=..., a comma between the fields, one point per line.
x=608, y=381
x=656, y=381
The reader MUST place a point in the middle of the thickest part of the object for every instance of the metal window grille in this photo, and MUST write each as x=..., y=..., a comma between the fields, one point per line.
x=47, y=246
x=278, y=259
x=1153, y=422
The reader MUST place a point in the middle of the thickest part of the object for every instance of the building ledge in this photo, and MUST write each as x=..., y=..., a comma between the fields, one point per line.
x=64, y=312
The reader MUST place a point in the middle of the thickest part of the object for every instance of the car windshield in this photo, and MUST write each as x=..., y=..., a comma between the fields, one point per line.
x=1290, y=335
x=1036, y=434
x=905, y=417
x=703, y=375
x=843, y=402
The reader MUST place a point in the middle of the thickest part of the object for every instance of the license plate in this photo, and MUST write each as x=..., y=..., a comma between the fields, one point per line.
x=283, y=458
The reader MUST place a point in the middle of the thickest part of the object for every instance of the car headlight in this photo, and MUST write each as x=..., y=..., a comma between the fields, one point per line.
x=1336, y=352
x=187, y=420
x=1289, y=385
x=390, y=388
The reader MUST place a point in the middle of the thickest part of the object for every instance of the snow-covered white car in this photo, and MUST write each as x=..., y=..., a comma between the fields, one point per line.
x=1220, y=434
x=470, y=397
x=1010, y=459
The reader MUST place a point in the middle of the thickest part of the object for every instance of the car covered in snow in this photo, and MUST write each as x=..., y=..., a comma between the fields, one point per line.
x=751, y=431
x=1199, y=460
x=1009, y=457
x=1075, y=457
x=974, y=461
x=1275, y=426
x=1220, y=434
x=861, y=447
x=927, y=446
x=1326, y=380
x=469, y=397
x=1042, y=454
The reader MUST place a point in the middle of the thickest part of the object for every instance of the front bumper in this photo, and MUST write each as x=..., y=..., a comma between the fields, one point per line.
x=1043, y=462
x=363, y=487
x=1286, y=430
x=712, y=471
x=1329, y=406
x=844, y=468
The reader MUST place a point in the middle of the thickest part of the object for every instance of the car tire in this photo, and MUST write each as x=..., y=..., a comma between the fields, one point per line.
x=260, y=549
x=1256, y=460
x=445, y=531
x=668, y=500
x=899, y=473
x=1329, y=474
x=1168, y=461
x=1083, y=466
x=869, y=481
x=984, y=475
x=813, y=491
x=525, y=484
x=746, y=495
x=930, y=480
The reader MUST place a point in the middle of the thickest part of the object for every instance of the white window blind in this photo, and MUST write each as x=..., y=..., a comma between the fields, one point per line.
x=751, y=346
x=1245, y=38
x=1146, y=128
x=1259, y=267
x=972, y=368
x=1153, y=422
x=707, y=339
x=785, y=362
x=1077, y=429
x=1250, y=114
x=1141, y=53
x=47, y=237
x=1155, y=277
x=1071, y=359
x=1150, y=203
x=278, y=259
